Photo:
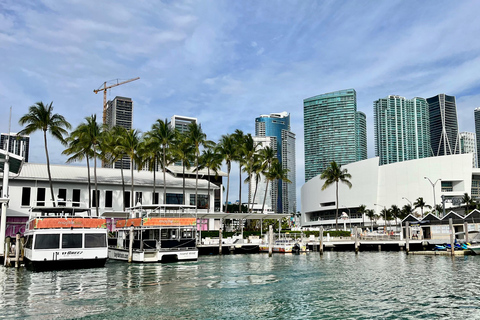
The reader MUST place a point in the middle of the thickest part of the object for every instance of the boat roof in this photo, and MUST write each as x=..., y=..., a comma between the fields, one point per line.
x=59, y=209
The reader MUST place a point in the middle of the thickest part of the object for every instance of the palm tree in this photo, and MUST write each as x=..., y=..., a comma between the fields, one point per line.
x=250, y=153
x=239, y=141
x=184, y=152
x=129, y=145
x=395, y=210
x=406, y=210
x=165, y=135
x=212, y=161
x=198, y=139
x=84, y=141
x=277, y=173
x=420, y=203
x=256, y=168
x=362, y=210
x=41, y=117
x=469, y=202
x=335, y=174
x=439, y=209
x=267, y=157
x=226, y=148
x=370, y=213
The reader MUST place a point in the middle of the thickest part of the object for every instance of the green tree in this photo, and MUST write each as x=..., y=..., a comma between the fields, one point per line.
x=165, y=135
x=239, y=156
x=226, y=148
x=267, y=157
x=41, y=117
x=277, y=173
x=250, y=157
x=370, y=213
x=420, y=203
x=333, y=175
x=362, y=210
x=469, y=203
x=406, y=210
x=213, y=162
x=129, y=145
x=149, y=153
x=184, y=151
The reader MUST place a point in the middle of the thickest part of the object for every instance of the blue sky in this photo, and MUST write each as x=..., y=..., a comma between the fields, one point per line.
x=227, y=62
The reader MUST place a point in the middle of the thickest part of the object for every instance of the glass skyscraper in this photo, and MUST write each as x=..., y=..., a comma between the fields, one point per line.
x=468, y=144
x=334, y=131
x=402, y=130
x=277, y=126
x=476, y=114
x=443, y=125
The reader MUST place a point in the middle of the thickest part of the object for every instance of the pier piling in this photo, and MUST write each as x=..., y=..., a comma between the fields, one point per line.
x=356, y=240
x=270, y=240
x=220, y=240
x=407, y=237
x=130, y=247
x=452, y=236
x=320, y=236
x=17, y=250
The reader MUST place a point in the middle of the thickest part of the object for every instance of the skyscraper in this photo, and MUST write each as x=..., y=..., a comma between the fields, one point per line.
x=18, y=145
x=468, y=144
x=476, y=114
x=334, y=131
x=119, y=114
x=277, y=126
x=402, y=129
x=443, y=125
x=181, y=123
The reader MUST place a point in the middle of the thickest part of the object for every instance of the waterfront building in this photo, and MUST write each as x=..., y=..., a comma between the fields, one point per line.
x=31, y=189
x=468, y=144
x=378, y=187
x=332, y=132
x=18, y=145
x=402, y=130
x=277, y=127
x=443, y=125
x=119, y=114
x=476, y=114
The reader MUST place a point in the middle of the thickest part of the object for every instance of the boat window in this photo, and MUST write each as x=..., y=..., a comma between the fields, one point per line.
x=40, y=197
x=29, y=242
x=47, y=241
x=72, y=240
x=165, y=234
x=26, y=196
x=95, y=240
x=187, y=234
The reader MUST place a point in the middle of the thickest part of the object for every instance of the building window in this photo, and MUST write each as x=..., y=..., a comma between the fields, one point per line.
x=447, y=186
x=26, y=196
x=174, y=198
x=95, y=197
x=138, y=197
x=62, y=197
x=126, y=199
x=76, y=198
x=40, y=197
x=202, y=201
x=108, y=198
x=155, y=198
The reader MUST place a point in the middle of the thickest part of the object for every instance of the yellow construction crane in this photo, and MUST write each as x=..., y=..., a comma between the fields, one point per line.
x=104, y=89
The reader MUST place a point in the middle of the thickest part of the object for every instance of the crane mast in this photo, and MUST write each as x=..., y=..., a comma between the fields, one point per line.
x=104, y=89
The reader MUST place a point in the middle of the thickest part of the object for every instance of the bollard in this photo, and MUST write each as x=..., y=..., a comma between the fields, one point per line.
x=320, y=238
x=270, y=240
x=356, y=240
x=452, y=236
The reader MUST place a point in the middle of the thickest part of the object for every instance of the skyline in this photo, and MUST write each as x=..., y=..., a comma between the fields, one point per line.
x=226, y=63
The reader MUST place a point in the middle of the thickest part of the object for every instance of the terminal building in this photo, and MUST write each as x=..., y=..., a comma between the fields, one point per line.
x=378, y=187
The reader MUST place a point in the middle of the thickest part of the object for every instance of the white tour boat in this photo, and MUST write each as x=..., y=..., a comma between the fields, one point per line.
x=65, y=237
x=283, y=246
x=154, y=233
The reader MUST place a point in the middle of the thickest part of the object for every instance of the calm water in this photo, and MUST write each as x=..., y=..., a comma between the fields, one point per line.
x=339, y=285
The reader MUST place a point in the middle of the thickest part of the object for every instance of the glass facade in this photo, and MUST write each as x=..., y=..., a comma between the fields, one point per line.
x=476, y=114
x=18, y=145
x=401, y=129
x=119, y=114
x=331, y=132
x=361, y=136
x=443, y=125
x=468, y=144
x=277, y=127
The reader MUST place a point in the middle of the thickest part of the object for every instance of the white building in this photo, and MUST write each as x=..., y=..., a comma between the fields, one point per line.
x=468, y=144
x=31, y=189
x=380, y=187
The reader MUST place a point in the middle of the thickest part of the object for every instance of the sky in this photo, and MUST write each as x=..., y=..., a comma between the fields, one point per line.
x=227, y=62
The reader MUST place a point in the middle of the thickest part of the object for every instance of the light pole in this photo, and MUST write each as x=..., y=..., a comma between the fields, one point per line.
x=408, y=201
x=433, y=186
x=385, y=216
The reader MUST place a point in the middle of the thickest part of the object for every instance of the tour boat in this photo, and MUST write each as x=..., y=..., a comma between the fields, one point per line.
x=64, y=237
x=283, y=246
x=154, y=233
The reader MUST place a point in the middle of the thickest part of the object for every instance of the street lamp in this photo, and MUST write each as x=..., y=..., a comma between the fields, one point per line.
x=433, y=186
x=385, y=216
x=408, y=201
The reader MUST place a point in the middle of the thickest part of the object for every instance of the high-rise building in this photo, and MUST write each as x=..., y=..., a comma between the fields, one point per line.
x=476, y=114
x=277, y=126
x=443, y=125
x=334, y=131
x=402, y=129
x=468, y=144
x=18, y=145
x=120, y=114
x=181, y=123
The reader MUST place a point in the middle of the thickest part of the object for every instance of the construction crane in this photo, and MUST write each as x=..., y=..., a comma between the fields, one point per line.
x=104, y=89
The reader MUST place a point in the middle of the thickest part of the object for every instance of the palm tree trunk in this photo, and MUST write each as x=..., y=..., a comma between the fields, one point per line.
x=89, y=184
x=208, y=204
x=196, y=182
x=336, y=211
x=228, y=187
x=184, y=200
x=154, y=179
x=249, y=190
x=123, y=183
x=265, y=197
x=48, y=167
x=95, y=176
x=240, y=189
x=255, y=193
x=131, y=176
x=164, y=176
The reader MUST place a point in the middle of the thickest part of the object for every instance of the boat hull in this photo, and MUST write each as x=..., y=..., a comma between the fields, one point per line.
x=475, y=249
x=154, y=255
x=64, y=264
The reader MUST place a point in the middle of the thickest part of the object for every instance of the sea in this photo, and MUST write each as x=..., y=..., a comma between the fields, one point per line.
x=337, y=285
